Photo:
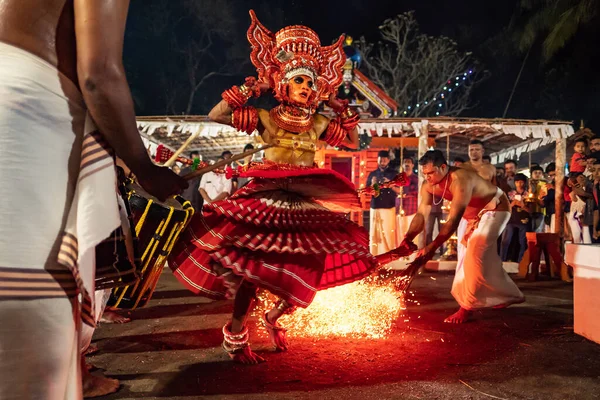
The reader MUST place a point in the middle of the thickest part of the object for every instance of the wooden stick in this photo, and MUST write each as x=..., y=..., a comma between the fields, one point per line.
x=181, y=148
x=222, y=163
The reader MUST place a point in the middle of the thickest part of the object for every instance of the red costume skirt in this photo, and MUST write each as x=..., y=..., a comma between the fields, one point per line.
x=285, y=231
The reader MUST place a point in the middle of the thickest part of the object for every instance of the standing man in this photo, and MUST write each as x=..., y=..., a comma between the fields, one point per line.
x=520, y=218
x=510, y=170
x=538, y=190
x=480, y=280
x=60, y=70
x=192, y=193
x=214, y=186
x=476, y=162
x=239, y=182
x=596, y=193
x=549, y=199
x=383, y=227
x=408, y=202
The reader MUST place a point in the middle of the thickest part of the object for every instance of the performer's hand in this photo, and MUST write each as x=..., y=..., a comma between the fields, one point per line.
x=257, y=88
x=161, y=182
x=337, y=104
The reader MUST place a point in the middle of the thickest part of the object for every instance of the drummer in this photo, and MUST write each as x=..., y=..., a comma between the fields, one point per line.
x=51, y=76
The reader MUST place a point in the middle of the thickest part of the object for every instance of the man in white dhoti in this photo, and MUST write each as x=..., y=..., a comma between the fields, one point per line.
x=383, y=224
x=57, y=183
x=480, y=280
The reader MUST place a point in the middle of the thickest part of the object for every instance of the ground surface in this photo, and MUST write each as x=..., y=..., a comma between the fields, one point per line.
x=171, y=350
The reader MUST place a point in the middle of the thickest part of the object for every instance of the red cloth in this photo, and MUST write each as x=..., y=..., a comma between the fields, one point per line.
x=281, y=232
x=574, y=164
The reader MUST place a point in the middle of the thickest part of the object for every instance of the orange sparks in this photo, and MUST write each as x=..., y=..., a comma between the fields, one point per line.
x=365, y=309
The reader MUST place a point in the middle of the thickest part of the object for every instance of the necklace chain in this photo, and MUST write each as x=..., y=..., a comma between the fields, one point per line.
x=443, y=193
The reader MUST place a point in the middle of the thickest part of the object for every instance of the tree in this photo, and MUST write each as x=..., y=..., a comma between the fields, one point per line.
x=425, y=75
x=553, y=21
x=184, y=46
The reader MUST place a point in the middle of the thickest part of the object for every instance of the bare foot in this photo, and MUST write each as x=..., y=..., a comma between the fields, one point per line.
x=244, y=356
x=111, y=317
x=277, y=334
x=459, y=317
x=95, y=386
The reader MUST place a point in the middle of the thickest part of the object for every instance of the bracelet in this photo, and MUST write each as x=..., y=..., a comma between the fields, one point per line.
x=335, y=133
x=236, y=96
x=245, y=119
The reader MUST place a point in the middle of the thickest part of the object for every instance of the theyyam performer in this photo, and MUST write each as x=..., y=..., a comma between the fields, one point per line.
x=285, y=231
x=480, y=280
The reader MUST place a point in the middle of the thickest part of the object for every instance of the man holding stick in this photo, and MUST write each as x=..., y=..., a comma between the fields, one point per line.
x=480, y=280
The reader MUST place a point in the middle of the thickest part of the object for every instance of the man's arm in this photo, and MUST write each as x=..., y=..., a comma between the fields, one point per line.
x=581, y=193
x=462, y=191
x=100, y=30
x=418, y=222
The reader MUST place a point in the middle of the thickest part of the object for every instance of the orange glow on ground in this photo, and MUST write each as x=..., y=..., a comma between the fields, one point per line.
x=365, y=309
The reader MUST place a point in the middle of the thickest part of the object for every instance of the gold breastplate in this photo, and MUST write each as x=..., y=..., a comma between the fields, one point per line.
x=297, y=145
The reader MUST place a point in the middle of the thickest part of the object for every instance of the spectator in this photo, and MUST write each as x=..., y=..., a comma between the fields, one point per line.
x=383, y=225
x=487, y=160
x=596, y=194
x=510, y=169
x=214, y=186
x=499, y=173
x=578, y=160
x=458, y=161
x=549, y=199
x=409, y=201
x=595, y=144
x=537, y=190
x=192, y=193
x=239, y=182
x=476, y=163
x=176, y=169
x=580, y=216
x=519, y=219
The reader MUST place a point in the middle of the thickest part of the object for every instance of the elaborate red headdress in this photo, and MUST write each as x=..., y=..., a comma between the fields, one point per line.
x=295, y=50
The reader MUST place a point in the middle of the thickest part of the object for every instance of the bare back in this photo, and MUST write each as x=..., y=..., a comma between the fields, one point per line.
x=44, y=28
x=481, y=191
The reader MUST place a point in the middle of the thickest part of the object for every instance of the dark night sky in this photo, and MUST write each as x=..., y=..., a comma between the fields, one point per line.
x=564, y=88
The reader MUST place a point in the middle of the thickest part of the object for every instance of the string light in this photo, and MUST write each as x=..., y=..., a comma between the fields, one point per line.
x=458, y=81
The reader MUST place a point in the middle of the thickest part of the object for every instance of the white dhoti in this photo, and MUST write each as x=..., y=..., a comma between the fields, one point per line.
x=383, y=230
x=480, y=280
x=57, y=201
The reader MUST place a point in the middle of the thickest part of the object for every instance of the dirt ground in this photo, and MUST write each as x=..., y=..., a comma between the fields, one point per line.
x=171, y=350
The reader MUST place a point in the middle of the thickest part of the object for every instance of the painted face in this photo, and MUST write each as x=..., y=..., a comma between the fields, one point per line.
x=475, y=152
x=595, y=145
x=510, y=169
x=579, y=147
x=537, y=175
x=300, y=88
x=434, y=175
